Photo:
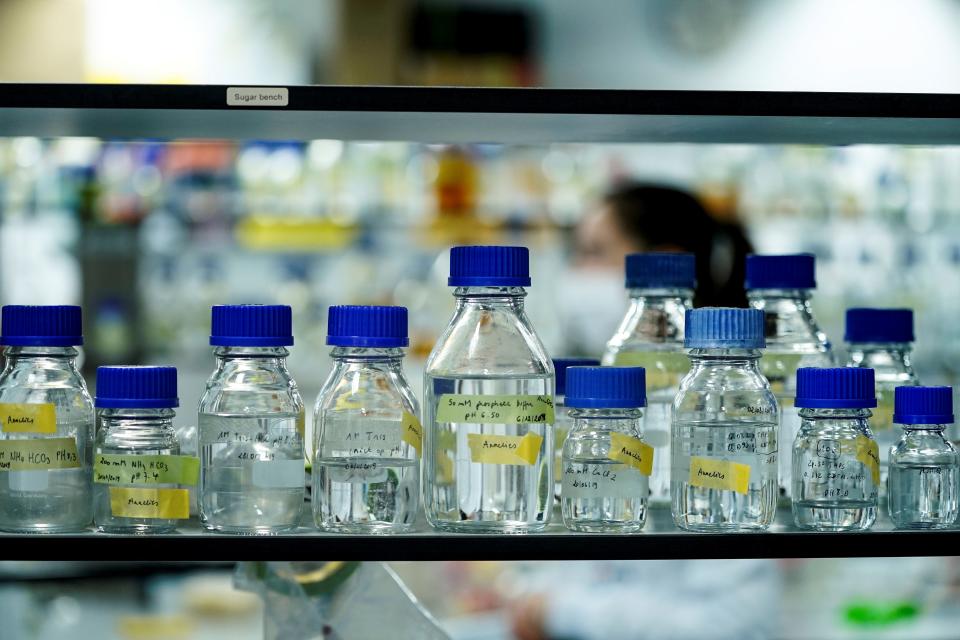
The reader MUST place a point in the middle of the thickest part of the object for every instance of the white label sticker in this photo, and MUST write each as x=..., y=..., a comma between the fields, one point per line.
x=603, y=481
x=36, y=480
x=361, y=437
x=278, y=474
x=358, y=473
x=257, y=97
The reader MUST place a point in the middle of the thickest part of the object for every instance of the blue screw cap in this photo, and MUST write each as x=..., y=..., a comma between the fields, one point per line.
x=136, y=388
x=560, y=366
x=724, y=328
x=489, y=267
x=835, y=388
x=879, y=325
x=251, y=325
x=41, y=326
x=661, y=271
x=923, y=405
x=794, y=271
x=367, y=326
x=606, y=387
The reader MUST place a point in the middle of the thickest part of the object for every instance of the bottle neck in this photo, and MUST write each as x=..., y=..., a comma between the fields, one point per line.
x=381, y=357
x=490, y=296
x=266, y=355
x=919, y=429
x=66, y=354
x=606, y=419
x=662, y=297
x=127, y=418
x=882, y=356
x=747, y=358
x=835, y=414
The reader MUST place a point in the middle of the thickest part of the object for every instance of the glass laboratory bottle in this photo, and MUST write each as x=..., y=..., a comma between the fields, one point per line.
x=46, y=433
x=135, y=408
x=367, y=436
x=606, y=463
x=924, y=474
x=836, y=464
x=882, y=340
x=252, y=470
x=781, y=287
x=725, y=431
x=562, y=420
x=651, y=336
x=488, y=407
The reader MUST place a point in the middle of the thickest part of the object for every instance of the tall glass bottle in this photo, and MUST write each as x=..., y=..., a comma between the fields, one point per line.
x=836, y=465
x=488, y=407
x=606, y=462
x=367, y=436
x=725, y=430
x=651, y=336
x=924, y=475
x=46, y=423
x=139, y=472
x=251, y=425
x=781, y=287
x=562, y=421
x=882, y=340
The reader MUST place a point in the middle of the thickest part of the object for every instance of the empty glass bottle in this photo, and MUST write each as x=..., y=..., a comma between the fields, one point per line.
x=46, y=423
x=488, y=408
x=781, y=287
x=724, y=440
x=882, y=340
x=562, y=421
x=924, y=474
x=367, y=442
x=836, y=465
x=606, y=462
x=251, y=425
x=651, y=336
x=139, y=470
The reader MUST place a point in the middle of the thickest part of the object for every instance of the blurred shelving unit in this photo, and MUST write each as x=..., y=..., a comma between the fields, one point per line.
x=455, y=115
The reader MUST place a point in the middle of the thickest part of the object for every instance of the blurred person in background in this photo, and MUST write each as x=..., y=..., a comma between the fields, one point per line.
x=633, y=218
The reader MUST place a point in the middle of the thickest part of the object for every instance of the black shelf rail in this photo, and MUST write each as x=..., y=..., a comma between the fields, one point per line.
x=449, y=114
x=660, y=540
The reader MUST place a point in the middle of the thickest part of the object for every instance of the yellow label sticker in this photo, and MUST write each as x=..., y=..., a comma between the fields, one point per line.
x=412, y=432
x=491, y=449
x=882, y=415
x=665, y=369
x=445, y=473
x=134, y=502
x=302, y=424
x=38, y=453
x=495, y=409
x=867, y=452
x=631, y=451
x=712, y=473
x=145, y=470
x=28, y=418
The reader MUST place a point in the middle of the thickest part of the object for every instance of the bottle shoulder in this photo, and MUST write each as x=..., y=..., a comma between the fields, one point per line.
x=924, y=448
x=63, y=387
x=489, y=341
x=249, y=387
x=367, y=390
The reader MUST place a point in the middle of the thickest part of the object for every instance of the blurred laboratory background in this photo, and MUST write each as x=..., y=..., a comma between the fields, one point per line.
x=147, y=234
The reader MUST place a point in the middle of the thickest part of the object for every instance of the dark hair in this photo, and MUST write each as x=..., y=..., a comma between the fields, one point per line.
x=663, y=217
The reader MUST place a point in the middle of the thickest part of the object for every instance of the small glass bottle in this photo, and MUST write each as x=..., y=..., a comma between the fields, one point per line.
x=488, y=408
x=661, y=288
x=781, y=287
x=367, y=436
x=46, y=423
x=252, y=471
x=882, y=340
x=135, y=412
x=562, y=421
x=724, y=427
x=606, y=464
x=836, y=464
x=924, y=472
